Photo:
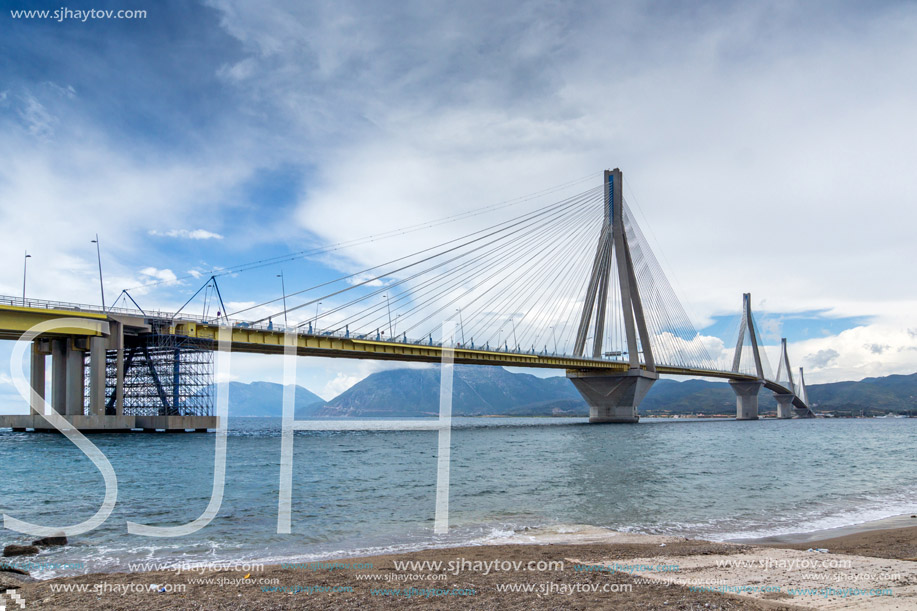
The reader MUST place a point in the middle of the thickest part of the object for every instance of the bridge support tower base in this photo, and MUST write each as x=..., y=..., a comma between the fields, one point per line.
x=784, y=405
x=746, y=398
x=613, y=398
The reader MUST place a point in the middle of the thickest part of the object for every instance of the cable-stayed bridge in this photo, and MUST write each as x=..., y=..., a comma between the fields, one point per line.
x=569, y=285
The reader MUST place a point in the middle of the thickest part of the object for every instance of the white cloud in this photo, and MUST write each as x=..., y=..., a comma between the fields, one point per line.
x=164, y=275
x=71, y=186
x=339, y=384
x=220, y=377
x=194, y=234
x=364, y=279
x=822, y=359
x=853, y=354
x=36, y=117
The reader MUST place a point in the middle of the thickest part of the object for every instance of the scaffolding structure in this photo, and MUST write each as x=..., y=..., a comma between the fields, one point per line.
x=164, y=375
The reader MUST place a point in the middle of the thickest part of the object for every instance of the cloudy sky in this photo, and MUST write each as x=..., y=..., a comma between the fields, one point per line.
x=768, y=148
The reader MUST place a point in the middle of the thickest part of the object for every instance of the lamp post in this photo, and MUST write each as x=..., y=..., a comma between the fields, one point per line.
x=388, y=304
x=515, y=341
x=25, y=264
x=316, y=316
x=99, y=256
x=461, y=324
x=284, y=289
x=555, y=339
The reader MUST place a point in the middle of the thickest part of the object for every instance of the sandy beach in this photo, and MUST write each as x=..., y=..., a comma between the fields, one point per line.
x=590, y=569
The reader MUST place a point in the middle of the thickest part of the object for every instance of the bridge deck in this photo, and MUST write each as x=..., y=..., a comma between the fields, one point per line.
x=17, y=319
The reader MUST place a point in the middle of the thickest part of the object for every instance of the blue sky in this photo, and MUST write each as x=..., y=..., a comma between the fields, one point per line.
x=766, y=148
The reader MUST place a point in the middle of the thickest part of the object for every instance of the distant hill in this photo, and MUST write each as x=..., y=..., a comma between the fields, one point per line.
x=481, y=391
x=896, y=393
x=494, y=391
x=477, y=391
x=265, y=399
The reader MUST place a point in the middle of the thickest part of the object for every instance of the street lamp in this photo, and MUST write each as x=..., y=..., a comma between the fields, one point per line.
x=388, y=304
x=25, y=263
x=316, y=316
x=99, y=256
x=461, y=324
x=284, y=289
x=555, y=339
x=515, y=341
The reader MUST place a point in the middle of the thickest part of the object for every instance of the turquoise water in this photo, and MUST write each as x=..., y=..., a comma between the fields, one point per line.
x=366, y=492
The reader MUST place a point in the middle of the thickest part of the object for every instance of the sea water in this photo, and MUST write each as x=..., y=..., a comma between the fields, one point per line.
x=368, y=492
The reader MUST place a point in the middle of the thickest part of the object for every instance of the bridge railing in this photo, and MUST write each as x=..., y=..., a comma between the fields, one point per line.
x=343, y=334
x=70, y=306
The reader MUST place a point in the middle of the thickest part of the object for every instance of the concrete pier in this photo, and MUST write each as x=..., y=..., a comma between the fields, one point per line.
x=75, y=380
x=784, y=405
x=746, y=398
x=59, y=375
x=113, y=424
x=97, y=356
x=613, y=398
x=37, y=376
x=117, y=344
x=102, y=408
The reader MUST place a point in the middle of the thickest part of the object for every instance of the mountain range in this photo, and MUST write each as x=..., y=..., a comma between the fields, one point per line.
x=476, y=391
x=265, y=399
x=480, y=391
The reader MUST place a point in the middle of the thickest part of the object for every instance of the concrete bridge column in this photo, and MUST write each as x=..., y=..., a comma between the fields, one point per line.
x=746, y=398
x=75, y=381
x=784, y=404
x=97, y=357
x=37, y=375
x=613, y=398
x=59, y=349
x=116, y=340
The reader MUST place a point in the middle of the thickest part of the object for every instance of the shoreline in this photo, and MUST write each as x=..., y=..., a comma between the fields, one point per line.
x=567, y=534
x=890, y=523
x=601, y=569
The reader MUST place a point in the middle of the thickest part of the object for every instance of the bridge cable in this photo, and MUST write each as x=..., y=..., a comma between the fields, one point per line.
x=492, y=229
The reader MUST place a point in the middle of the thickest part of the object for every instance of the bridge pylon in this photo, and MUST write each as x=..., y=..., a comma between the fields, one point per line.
x=785, y=379
x=614, y=397
x=803, y=394
x=747, y=390
x=784, y=405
